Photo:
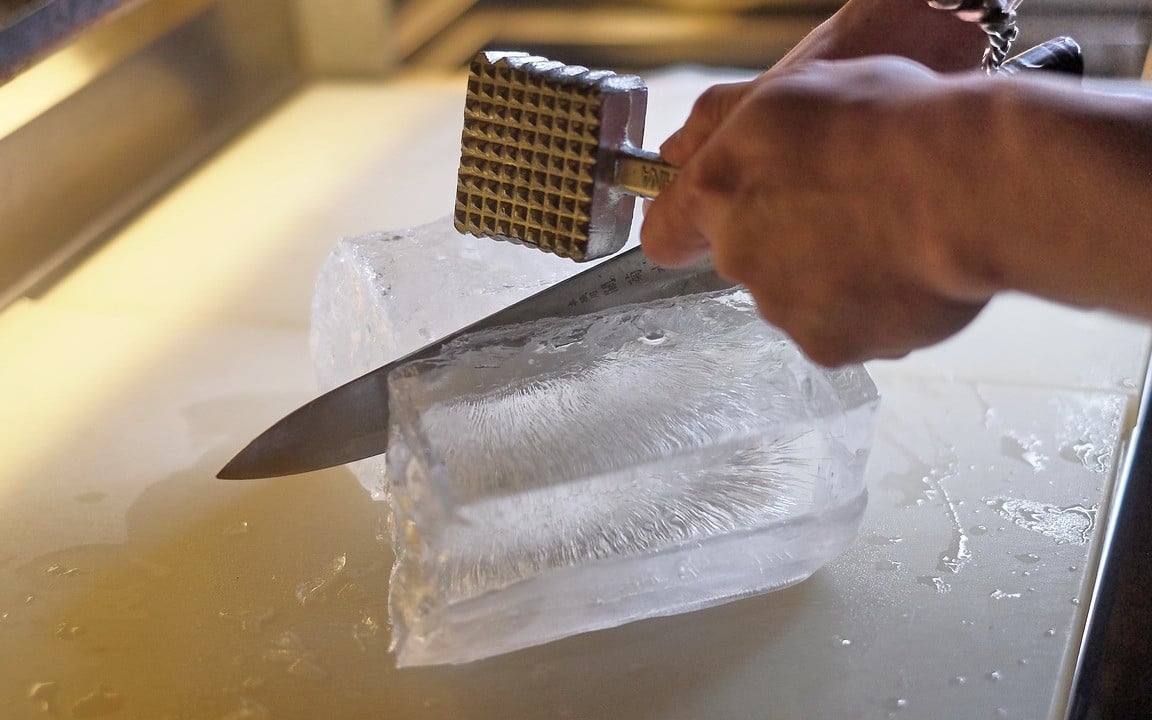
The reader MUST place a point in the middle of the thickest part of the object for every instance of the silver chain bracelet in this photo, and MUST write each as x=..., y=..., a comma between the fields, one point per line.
x=997, y=18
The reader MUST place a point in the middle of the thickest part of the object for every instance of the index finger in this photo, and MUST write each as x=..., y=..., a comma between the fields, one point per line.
x=708, y=113
x=670, y=236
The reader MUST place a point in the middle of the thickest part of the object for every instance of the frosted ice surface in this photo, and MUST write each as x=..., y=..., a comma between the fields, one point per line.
x=382, y=295
x=572, y=474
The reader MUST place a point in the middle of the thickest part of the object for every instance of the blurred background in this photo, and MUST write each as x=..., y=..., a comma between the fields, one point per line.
x=134, y=93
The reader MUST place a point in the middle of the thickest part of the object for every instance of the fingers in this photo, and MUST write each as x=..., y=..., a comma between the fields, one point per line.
x=670, y=235
x=710, y=110
x=681, y=225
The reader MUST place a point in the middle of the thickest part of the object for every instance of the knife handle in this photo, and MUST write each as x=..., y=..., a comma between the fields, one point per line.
x=1061, y=55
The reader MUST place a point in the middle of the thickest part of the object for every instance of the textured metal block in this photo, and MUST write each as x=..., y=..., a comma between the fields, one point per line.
x=538, y=154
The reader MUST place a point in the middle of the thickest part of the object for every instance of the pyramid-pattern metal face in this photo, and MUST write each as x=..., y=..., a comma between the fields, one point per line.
x=529, y=151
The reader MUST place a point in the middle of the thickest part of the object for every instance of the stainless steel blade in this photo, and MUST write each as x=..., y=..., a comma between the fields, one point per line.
x=351, y=422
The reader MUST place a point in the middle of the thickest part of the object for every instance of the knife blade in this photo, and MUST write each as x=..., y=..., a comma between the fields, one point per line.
x=350, y=422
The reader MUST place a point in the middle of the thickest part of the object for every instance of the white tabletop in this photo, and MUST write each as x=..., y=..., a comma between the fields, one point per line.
x=142, y=587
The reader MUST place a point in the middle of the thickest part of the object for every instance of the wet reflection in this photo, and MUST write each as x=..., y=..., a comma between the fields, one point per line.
x=269, y=600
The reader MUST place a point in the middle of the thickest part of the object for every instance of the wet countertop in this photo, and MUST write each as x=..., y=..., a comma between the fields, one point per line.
x=133, y=584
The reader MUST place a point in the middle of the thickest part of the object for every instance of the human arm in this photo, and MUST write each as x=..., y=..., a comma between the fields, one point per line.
x=907, y=28
x=873, y=206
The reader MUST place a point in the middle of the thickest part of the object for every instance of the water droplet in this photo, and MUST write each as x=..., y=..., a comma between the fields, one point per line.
x=316, y=589
x=240, y=528
x=1050, y=632
x=656, y=337
x=959, y=680
x=1022, y=661
x=1027, y=450
x=42, y=690
x=61, y=571
x=994, y=676
x=101, y=701
x=304, y=667
x=1075, y=601
x=1029, y=558
x=249, y=710
x=1073, y=525
x=365, y=632
x=999, y=594
x=252, y=682
x=978, y=530
x=1072, y=568
x=68, y=631
x=28, y=599
x=286, y=648
x=44, y=694
x=896, y=704
x=250, y=620
x=935, y=582
x=843, y=641
x=1087, y=454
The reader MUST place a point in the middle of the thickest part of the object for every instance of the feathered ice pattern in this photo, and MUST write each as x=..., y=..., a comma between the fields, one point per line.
x=560, y=442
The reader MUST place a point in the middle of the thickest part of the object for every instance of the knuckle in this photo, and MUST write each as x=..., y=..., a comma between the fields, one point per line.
x=825, y=348
x=707, y=102
x=717, y=99
x=823, y=353
x=711, y=174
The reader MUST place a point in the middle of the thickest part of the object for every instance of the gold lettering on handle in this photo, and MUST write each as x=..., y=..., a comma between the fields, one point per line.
x=655, y=178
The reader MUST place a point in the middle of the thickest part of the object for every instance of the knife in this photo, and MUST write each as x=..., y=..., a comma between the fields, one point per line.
x=351, y=422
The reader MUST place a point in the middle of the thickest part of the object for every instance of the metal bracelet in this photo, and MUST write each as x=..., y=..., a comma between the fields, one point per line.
x=997, y=18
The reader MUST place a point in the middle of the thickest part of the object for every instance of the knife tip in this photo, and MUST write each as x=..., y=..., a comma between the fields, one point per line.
x=237, y=469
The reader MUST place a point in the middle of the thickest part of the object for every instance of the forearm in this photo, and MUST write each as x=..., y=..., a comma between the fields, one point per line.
x=1067, y=199
x=908, y=28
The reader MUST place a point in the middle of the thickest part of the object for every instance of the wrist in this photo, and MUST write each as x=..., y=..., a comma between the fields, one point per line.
x=908, y=28
x=957, y=154
x=1046, y=196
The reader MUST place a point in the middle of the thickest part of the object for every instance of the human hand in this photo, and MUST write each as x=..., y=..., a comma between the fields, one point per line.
x=838, y=194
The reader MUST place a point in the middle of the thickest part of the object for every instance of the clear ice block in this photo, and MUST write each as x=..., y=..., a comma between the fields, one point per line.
x=567, y=475
x=382, y=295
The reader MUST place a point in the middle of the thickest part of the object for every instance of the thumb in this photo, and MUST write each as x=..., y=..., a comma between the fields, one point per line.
x=709, y=111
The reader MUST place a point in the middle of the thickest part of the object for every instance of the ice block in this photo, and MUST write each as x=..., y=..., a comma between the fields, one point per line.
x=382, y=295
x=568, y=475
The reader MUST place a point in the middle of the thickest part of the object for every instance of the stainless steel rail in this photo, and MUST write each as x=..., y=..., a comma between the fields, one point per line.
x=30, y=29
x=80, y=167
x=1113, y=677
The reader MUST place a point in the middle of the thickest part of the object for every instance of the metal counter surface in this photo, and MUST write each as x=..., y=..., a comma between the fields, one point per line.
x=135, y=585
